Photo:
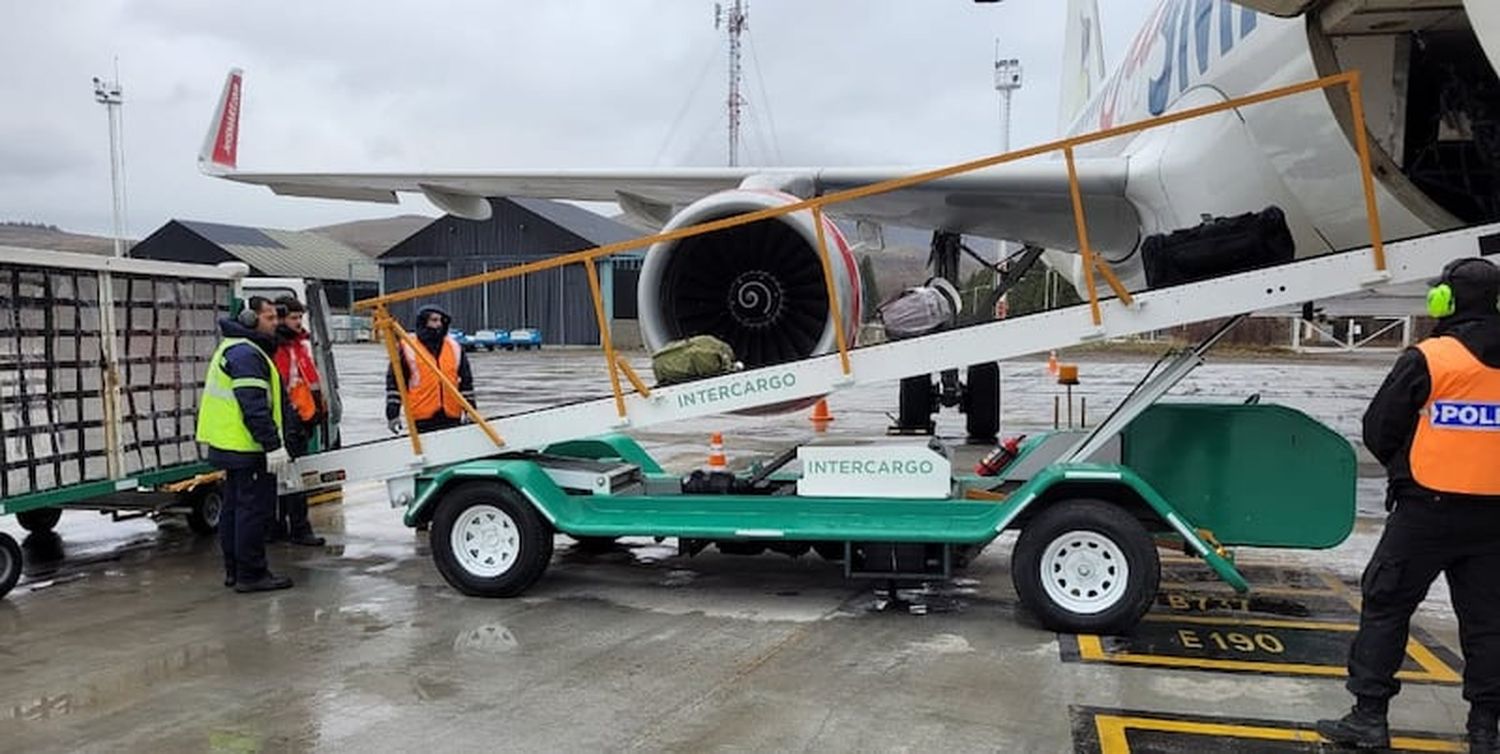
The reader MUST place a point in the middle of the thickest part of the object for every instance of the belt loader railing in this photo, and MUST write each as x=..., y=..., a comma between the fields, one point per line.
x=392, y=333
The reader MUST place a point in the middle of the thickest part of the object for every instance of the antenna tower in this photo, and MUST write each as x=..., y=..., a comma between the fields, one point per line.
x=734, y=24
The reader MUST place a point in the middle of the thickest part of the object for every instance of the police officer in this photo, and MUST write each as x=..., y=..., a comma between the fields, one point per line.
x=432, y=406
x=240, y=420
x=1435, y=426
x=304, y=391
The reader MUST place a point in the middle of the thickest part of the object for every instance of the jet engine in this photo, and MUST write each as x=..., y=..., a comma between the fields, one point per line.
x=758, y=287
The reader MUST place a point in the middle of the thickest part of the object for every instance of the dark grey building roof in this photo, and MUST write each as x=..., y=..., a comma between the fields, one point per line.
x=596, y=229
x=288, y=253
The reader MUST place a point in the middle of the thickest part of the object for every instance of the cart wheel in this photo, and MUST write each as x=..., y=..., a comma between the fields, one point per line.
x=982, y=403
x=916, y=404
x=10, y=563
x=207, y=507
x=1086, y=566
x=487, y=541
x=39, y=520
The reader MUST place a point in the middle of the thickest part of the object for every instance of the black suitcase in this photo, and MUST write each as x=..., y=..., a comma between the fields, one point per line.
x=1221, y=246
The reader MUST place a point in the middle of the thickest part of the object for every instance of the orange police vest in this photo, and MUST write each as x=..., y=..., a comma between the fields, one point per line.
x=1457, y=445
x=424, y=390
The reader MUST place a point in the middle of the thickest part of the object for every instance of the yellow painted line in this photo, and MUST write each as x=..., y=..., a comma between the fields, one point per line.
x=1435, y=667
x=1219, y=586
x=1209, y=620
x=1091, y=649
x=321, y=498
x=1113, y=728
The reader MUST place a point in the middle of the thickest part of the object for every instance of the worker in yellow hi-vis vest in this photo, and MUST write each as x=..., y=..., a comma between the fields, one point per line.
x=240, y=419
x=1435, y=426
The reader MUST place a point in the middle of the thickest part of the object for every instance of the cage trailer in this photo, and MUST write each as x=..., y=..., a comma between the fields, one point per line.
x=101, y=368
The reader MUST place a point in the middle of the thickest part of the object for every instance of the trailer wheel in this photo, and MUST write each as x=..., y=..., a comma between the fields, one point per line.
x=916, y=404
x=10, y=563
x=488, y=541
x=982, y=403
x=1086, y=566
x=39, y=520
x=206, y=508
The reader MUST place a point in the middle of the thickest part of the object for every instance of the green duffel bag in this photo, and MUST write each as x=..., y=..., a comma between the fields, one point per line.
x=691, y=359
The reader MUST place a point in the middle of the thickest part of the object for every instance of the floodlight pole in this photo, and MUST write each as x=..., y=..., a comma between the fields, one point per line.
x=112, y=96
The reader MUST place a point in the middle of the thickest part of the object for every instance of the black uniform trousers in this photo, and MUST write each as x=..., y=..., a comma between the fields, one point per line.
x=291, y=514
x=249, y=505
x=1426, y=535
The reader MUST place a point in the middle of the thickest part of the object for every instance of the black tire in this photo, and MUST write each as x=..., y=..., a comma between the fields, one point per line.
x=10, y=563
x=917, y=404
x=39, y=520
x=982, y=404
x=521, y=532
x=205, y=508
x=1045, y=541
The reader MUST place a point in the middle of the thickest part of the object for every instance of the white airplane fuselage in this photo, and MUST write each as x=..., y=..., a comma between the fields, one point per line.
x=1296, y=153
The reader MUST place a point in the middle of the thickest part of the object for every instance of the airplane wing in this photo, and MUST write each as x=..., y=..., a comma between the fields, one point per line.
x=1026, y=201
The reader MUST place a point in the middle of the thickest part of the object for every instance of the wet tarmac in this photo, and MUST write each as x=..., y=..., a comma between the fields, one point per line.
x=122, y=638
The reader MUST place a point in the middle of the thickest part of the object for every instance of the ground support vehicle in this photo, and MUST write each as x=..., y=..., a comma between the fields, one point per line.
x=524, y=339
x=489, y=340
x=1196, y=474
x=101, y=367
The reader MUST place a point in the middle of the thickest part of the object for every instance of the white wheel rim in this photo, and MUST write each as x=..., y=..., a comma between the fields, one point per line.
x=1084, y=572
x=485, y=541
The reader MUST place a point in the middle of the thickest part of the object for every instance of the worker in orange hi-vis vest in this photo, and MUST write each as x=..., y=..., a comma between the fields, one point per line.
x=294, y=362
x=433, y=407
x=1435, y=426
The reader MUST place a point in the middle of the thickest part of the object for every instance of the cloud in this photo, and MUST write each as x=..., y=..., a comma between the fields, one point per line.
x=345, y=85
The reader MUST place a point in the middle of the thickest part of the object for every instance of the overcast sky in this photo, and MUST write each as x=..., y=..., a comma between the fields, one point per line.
x=345, y=85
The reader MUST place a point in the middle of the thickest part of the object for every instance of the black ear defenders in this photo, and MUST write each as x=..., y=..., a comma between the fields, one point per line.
x=247, y=316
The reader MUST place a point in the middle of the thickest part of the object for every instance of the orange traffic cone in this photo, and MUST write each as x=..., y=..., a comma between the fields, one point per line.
x=1052, y=362
x=821, y=416
x=716, y=459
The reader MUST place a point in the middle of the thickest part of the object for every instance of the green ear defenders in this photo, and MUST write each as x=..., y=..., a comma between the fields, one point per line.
x=1440, y=300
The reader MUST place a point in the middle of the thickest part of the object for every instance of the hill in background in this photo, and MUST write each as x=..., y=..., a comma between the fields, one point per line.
x=38, y=236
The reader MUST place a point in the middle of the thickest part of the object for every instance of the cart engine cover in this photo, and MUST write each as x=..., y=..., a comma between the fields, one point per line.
x=874, y=469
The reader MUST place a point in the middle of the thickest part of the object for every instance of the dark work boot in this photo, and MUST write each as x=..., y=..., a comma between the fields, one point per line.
x=266, y=583
x=307, y=539
x=1484, y=731
x=1362, y=728
x=229, y=579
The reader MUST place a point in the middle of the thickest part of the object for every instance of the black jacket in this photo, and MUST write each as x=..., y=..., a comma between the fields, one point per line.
x=434, y=346
x=1390, y=422
x=251, y=361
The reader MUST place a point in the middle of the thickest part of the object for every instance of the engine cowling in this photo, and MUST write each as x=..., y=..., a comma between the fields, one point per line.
x=758, y=287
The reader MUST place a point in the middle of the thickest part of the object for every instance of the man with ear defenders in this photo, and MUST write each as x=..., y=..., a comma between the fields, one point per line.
x=241, y=420
x=1435, y=426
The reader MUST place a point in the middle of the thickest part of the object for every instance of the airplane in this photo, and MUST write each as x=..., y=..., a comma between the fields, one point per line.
x=1153, y=199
